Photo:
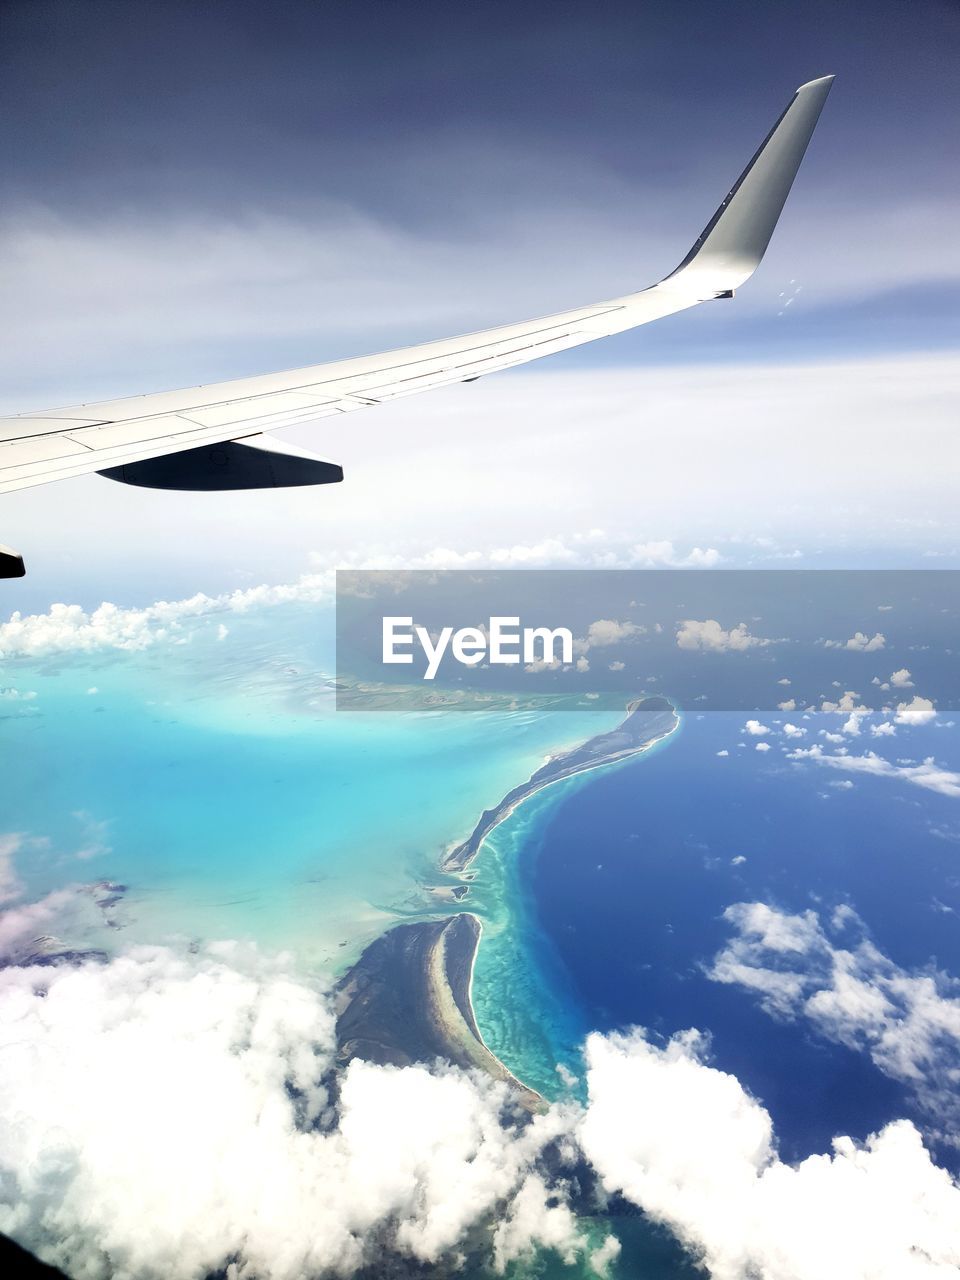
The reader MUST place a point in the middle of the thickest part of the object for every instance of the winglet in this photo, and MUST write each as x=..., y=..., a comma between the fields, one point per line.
x=732, y=243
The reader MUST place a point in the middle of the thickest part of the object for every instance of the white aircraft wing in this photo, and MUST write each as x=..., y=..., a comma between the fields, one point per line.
x=212, y=437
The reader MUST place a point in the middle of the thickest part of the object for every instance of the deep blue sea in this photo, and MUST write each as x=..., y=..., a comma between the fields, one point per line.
x=626, y=878
x=219, y=783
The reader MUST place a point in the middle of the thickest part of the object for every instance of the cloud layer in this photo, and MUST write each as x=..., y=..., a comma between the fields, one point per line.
x=928, y=774
x=163, y=1114
x=686, y=1143
x=683, y=458
x=168, y=1113
x=830, y=973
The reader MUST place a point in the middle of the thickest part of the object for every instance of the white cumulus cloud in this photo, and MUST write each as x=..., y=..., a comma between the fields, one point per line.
x=162, y=1114
x=832, y=974
x=607, y=631
x=687, y=1144
x=168, y=1113
x=709, y=636
x=915, y=712
x=866, y=644
x=928, y=774
x=755, y=728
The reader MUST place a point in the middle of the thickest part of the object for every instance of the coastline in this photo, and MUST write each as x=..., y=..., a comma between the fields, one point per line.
x=408, y=1000
x=634, y=735
x=409, y=996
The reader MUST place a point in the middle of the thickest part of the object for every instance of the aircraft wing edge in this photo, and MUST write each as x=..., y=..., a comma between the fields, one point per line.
x=114, y=437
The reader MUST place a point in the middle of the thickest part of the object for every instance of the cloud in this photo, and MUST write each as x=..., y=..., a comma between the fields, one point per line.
x=928, y=774
x=917, y=711
x=789, y=705
x=648, y=555
x=793, y=731
x=130, y=278
x=606, y=631
x=762, y=746
x=847, y=706
x=603, y=633
x=685, y=1142
x=901, y=679
x=170, y=1112
x=22, y=927
x=69, y=628
x=861, y=643
x=709, y=636
x=698, y=421
x=542, y=664
x=10, y=886
x=834, y=976
x=253, y=281
x=166, y=1113
x=593, y=549
x=94, y=843
x=883, y=730
x=602, y=1257
x=755, y=728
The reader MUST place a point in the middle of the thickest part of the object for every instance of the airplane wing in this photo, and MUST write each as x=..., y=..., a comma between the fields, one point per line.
x=212, y=437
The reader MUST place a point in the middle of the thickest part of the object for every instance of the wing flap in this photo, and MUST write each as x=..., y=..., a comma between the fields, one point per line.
x=40, y=449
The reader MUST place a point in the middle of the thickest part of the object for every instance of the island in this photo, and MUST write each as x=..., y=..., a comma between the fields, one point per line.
x=407, y=1000
x=648, y=721
x=408, y=997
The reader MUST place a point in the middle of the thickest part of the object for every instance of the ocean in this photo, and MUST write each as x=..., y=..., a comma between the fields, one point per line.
x=217, y=781
x=624, y=878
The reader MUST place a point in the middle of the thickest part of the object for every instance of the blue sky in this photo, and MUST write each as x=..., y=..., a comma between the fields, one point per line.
x=464, y=124
x=217, y=104
x=195, y=192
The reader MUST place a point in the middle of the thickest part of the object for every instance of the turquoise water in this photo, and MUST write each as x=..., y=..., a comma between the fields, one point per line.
x=521, y=990
x=217, y=780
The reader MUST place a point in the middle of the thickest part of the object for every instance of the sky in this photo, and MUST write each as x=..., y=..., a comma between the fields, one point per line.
x=194, y=192
x=200, y=191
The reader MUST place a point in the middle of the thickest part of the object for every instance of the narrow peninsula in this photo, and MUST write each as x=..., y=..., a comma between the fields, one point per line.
x=648, y=721
x=407, y=999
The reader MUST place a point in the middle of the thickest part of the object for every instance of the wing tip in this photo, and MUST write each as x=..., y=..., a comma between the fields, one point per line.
x=821, y=82
x=745, y=233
